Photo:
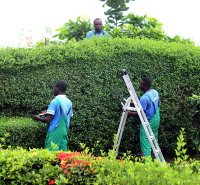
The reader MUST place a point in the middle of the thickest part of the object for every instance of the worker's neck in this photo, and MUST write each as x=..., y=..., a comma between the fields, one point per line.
x=97, y=31
x=61, y=93
x=146, y=90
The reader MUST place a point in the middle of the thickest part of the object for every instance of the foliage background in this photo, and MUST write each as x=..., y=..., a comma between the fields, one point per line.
x=91, y=69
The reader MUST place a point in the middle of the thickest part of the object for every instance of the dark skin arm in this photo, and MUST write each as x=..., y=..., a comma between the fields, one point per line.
x=47, y=119
x=132, y=113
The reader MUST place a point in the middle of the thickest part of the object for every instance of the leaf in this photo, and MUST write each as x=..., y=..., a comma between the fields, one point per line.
x=73, y=40
x=55, y=35
x=78, y=18
x=138, y=30
x=124, y=17
x=85, y=18
x=125, y=26
x=116, y=31
x=130, y=27
x=111, y=21
x=124, y=9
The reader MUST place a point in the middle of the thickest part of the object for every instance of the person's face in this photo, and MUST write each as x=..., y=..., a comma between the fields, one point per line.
x=98, y=25
x=56, y=90
x=142, y=86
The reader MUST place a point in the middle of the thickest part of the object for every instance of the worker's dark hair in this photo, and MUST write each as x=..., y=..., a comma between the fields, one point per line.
x=97, y=19
x=147, y=82
x=62, y=85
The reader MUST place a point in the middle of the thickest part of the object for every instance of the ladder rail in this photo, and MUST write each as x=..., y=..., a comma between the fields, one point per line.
x=121, y=126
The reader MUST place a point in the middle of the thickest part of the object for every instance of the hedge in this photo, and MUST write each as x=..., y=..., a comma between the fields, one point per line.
x=91, y=69
x=24, y=132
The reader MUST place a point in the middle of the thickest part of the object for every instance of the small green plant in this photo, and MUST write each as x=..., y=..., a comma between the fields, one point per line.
x=181, y=158
x=3, y=139
x=54, y=146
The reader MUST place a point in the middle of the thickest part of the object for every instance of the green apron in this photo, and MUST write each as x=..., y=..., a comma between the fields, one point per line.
x=154, y=124
x=59, y=135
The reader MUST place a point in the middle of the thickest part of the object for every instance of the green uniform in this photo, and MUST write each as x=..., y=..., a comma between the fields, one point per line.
x=144, y=142
x=154, y=124
x=59, y=135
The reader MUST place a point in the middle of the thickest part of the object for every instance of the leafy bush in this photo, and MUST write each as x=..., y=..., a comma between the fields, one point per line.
x=24, y=132
x=20, y=166
x=91, y=69
x=195, y=113
x=75, y=30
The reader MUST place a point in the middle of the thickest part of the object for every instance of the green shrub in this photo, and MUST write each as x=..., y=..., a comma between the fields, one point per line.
x=24, y=132
x=91, y=69
x=195, y=113
x=20, y=166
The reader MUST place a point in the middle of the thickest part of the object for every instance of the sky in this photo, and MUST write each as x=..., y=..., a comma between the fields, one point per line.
x=22, y=18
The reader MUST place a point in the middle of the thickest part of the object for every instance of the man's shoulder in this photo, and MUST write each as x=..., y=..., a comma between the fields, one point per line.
x=91, y=32
x=153, y=94
x=105, y=32
x=144, y=97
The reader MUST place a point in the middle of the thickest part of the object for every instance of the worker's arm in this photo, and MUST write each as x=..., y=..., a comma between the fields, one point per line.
x=46, y=119
x=132, y=113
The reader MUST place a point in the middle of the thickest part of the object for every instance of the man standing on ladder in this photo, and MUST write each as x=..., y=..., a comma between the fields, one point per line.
x=150, y=104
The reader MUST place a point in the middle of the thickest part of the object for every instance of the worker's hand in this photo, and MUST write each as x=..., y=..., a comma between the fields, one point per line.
x=36, y=117
x=44, y=112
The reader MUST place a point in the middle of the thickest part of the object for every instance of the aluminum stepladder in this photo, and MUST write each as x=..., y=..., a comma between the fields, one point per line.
x=133, y=97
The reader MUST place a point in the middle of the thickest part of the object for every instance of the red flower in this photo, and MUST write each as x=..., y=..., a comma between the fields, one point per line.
x=92, y=170
x=67, y=156
x=120, y=160
x=87, y=163
x=51, y=182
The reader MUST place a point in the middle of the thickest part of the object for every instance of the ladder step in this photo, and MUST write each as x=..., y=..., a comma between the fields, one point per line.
x=152, y=137
x=146, y=123
x=131, y=108
x=158, y=151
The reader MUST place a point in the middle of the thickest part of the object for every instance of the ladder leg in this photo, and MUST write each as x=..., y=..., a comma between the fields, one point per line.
x=120, y=131
x=121, y=125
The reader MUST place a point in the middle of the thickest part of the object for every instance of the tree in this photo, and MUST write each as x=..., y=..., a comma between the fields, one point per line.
x=115, y=13
x=144, y=26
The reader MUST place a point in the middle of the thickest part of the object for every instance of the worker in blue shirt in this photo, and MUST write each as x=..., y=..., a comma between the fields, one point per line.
x=98, y=32
x=57, y=118
x=150, y=104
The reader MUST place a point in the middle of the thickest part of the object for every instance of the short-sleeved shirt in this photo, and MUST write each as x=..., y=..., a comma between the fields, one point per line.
x=93, y=34
x=54, y=109
x=147, y=104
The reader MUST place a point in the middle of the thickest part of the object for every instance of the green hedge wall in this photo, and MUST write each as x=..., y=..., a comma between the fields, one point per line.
x=91, y=69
